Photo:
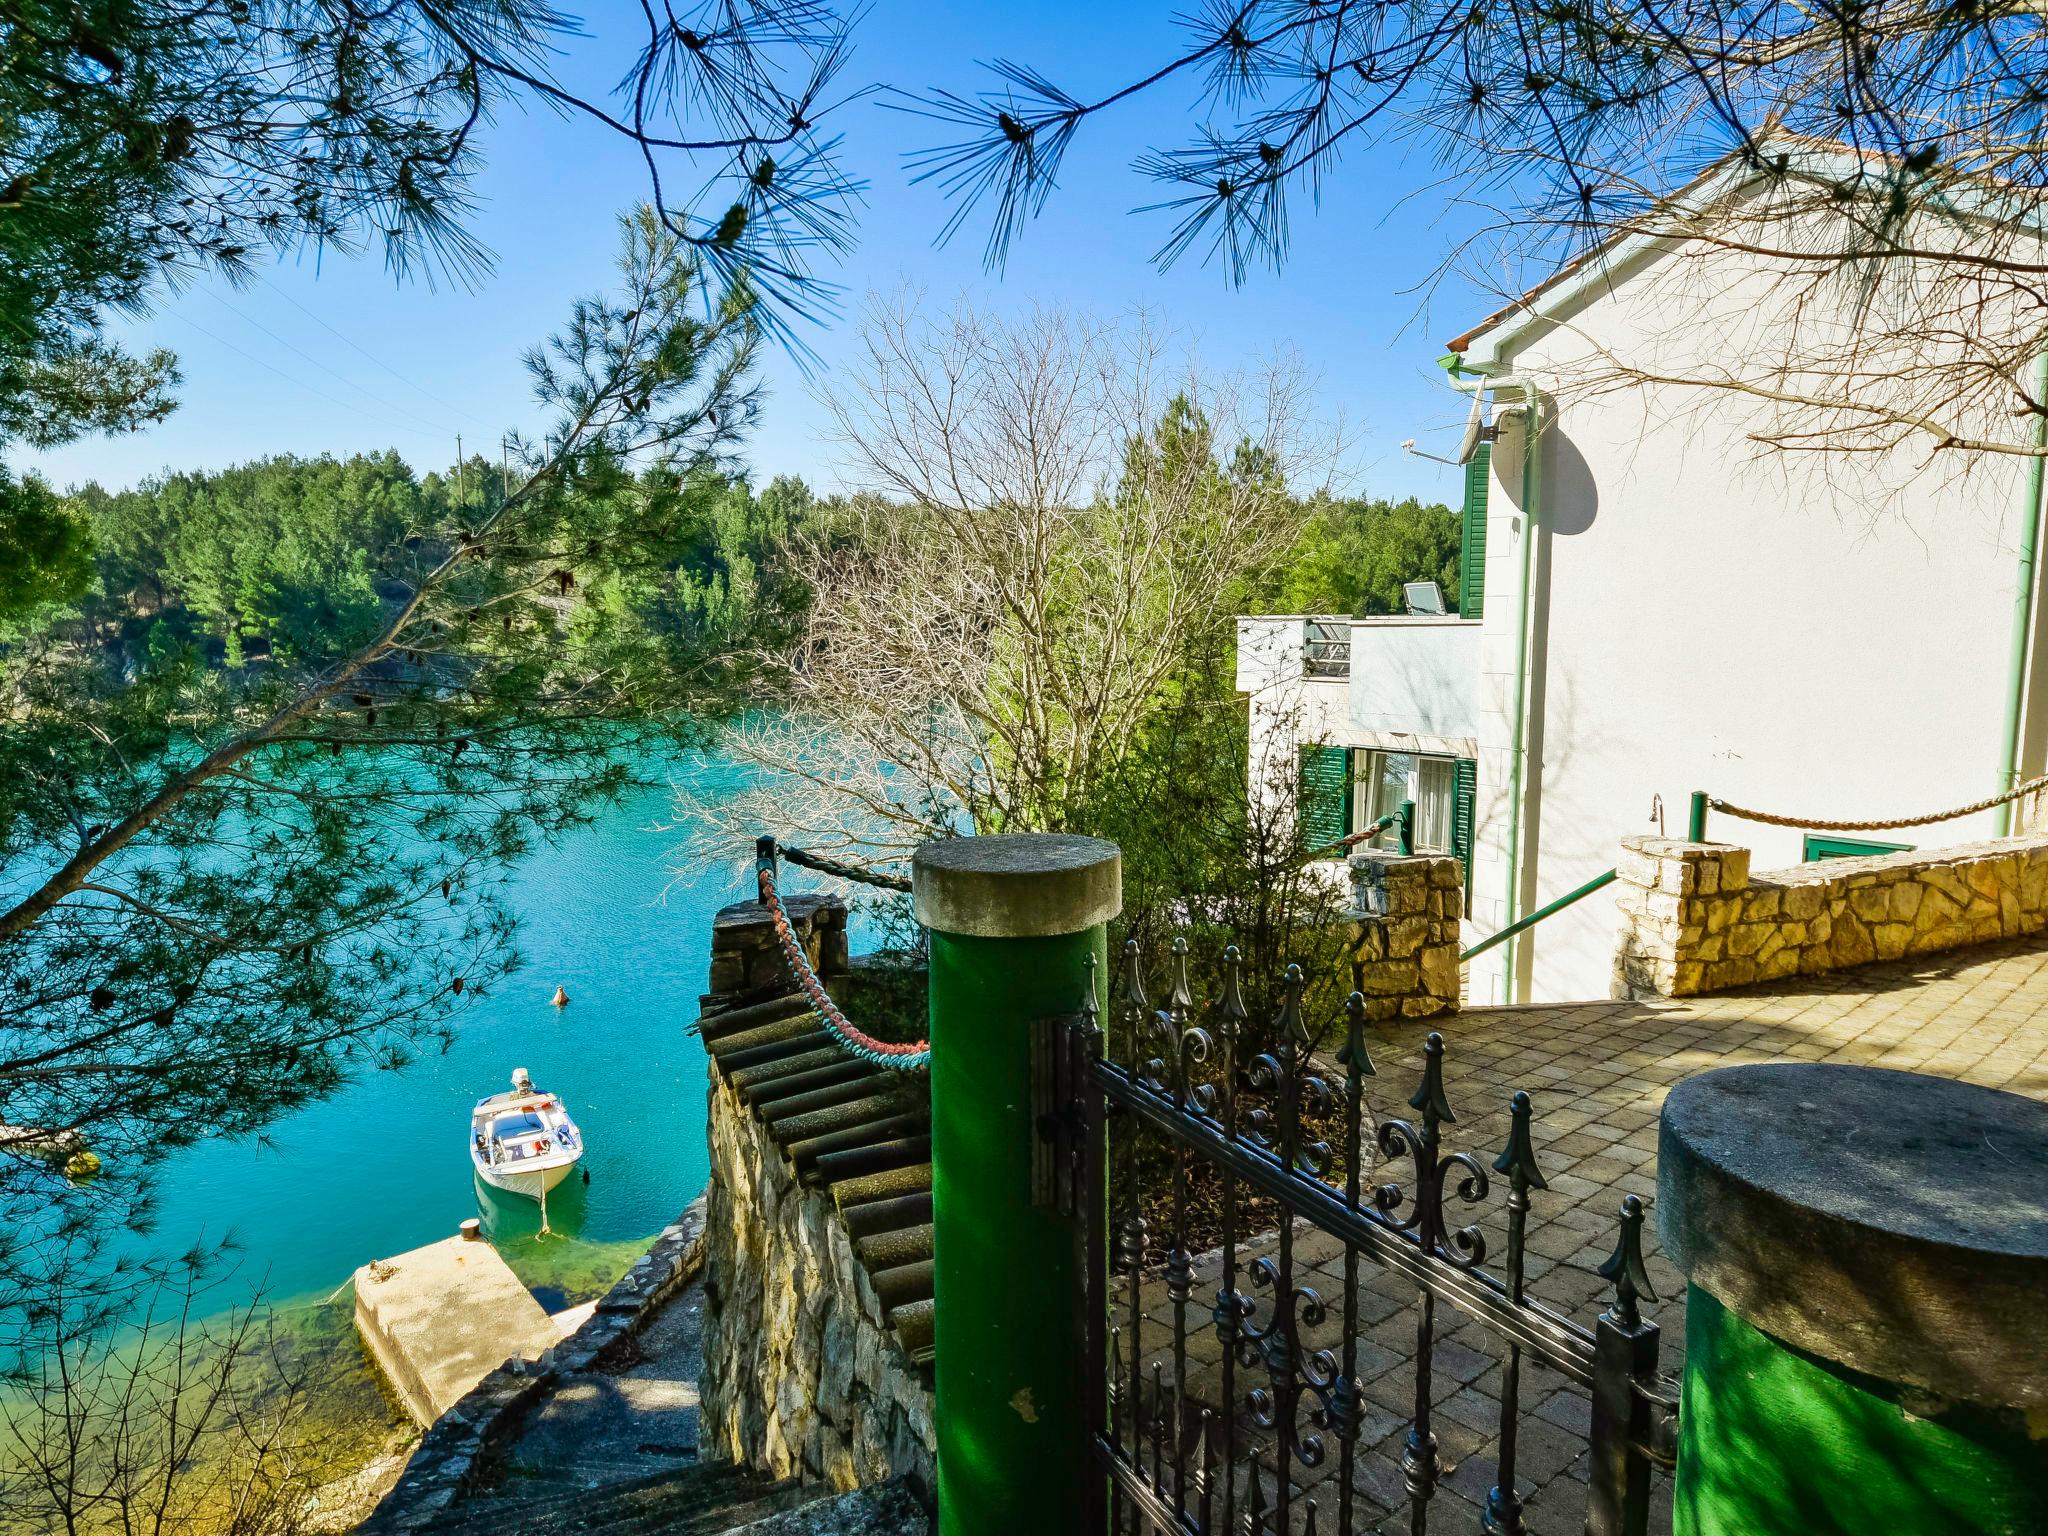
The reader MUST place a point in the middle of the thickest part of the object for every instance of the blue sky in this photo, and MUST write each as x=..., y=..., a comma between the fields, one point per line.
x=331, y=355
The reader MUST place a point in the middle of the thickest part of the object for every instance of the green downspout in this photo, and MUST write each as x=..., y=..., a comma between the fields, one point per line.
x=2023, y=606
x=1518, y=727
x=1454, y=364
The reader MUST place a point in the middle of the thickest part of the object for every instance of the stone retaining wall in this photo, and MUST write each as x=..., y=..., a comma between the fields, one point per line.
x=1695, y=919
x=803, y=1376
x=808, y=1369
x=1405, y=932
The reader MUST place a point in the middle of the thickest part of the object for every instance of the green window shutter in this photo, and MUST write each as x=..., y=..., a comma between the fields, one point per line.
x=1464, y=800
x=1325, y=803
x=1472, y=537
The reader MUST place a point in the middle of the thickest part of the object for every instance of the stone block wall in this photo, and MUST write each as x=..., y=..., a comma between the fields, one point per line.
x=1405, y=932
x=1695, y=919
x=746, y=957
x=806, y=1374
x=803, y=1376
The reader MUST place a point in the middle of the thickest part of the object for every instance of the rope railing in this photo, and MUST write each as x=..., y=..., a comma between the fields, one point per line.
x=844, y=871
x=881, y=1053
x=1403, y=818
x=1807, y=824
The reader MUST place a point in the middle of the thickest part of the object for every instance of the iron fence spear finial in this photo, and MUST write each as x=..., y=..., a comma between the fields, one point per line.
x=1134, y=978
x=1625, y=1268
x=1518, y=1159
x=1230, y=1008
x=1354, y=1057
x=1429, y=1098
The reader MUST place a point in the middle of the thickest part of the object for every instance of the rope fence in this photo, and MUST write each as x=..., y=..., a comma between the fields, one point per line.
x=844, y=871
x=1403, y=819
x=881, y=1053
x=1770, y=819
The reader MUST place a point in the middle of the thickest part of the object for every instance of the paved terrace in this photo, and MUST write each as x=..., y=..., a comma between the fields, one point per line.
x=1598, y=1073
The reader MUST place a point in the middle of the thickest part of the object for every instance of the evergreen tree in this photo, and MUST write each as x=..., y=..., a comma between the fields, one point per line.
x=258, y=793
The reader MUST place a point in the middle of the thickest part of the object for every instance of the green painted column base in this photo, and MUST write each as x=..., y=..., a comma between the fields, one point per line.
x=1012, y=1377
x=1774, y=1441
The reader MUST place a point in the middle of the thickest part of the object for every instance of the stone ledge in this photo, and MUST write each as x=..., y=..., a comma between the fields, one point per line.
x=1695, y=919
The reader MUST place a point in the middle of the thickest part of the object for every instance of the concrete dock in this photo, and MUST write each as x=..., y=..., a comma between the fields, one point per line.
x=437, y=1319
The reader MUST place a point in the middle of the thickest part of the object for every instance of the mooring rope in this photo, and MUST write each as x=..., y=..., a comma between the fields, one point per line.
x=825, y=866
x=880, y=1053
x=1768, y=819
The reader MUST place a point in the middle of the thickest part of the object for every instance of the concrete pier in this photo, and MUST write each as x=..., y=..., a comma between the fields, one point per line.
x=438, y=1319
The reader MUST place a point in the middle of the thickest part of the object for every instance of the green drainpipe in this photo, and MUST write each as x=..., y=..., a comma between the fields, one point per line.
x=1454, y=365
x=2023, y=607
x=1518, y=726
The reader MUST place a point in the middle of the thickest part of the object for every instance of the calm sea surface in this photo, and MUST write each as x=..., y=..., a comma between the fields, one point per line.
x=383, y=1167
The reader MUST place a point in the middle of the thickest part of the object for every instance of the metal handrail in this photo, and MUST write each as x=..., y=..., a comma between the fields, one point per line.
x=1539, y=914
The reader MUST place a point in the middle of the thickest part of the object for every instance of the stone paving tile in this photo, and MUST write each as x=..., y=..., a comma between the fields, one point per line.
x=1598, y=1074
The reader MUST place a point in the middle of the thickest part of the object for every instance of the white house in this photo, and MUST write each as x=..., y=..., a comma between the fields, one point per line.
x=1655, y=604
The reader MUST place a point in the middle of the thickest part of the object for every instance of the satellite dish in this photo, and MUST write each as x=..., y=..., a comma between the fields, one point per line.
x=1475, y=427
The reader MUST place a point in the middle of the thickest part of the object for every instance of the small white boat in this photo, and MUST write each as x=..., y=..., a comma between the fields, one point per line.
x=523, y=1142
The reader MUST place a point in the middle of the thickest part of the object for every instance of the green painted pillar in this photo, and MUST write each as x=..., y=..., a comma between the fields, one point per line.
x=1867, y=1315
x=1013, y=921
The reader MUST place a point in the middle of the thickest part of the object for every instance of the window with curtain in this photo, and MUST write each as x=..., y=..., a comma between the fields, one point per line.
x=1382, y=780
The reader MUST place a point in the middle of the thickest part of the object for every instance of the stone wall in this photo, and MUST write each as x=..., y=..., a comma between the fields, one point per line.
x=1405, y=935
x=807, y=1366
x=803, y=1376
x=1695, y=919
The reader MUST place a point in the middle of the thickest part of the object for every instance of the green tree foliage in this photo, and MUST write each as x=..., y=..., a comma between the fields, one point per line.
x=145, y=142
x=45, y=548
x=257, y=793
x=1354, y=556
x=1209, y=857
x=273, y=558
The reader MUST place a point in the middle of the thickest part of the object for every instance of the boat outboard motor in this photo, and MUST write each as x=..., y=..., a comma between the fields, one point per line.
x=522, y=1081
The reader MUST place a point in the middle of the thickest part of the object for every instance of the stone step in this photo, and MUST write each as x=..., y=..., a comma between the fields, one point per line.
x=775, y=1112
x=841, y=1069
x=897, y=1214
x=827, y=1054
x=878, y=1158
x=745, y=1065
x=722, y=1026
x=789, y=1028
x=853, y=1190
x=887, y=1509
x=705, y=1499
x=880, y=1124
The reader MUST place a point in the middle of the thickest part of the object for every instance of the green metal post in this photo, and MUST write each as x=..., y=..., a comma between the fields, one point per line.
x=1407, y=826
x=1696, y=823
x=1013, y=921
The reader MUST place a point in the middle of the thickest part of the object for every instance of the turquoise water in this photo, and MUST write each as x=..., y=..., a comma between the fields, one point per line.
x=382, y=1167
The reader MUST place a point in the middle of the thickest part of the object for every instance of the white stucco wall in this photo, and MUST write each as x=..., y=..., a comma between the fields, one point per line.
x=1785, y=631
x=1414, y=676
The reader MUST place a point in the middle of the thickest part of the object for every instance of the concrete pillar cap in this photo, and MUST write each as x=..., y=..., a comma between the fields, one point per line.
x=1891, y=1222
x=1019, y=886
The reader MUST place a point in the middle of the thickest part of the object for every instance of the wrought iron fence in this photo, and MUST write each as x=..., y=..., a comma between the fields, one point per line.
x=1249, y=1454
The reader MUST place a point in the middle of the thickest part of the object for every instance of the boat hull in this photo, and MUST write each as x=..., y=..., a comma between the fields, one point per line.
x=530, y=1182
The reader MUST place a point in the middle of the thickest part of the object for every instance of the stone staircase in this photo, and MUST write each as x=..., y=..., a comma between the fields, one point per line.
x=703, y=1499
